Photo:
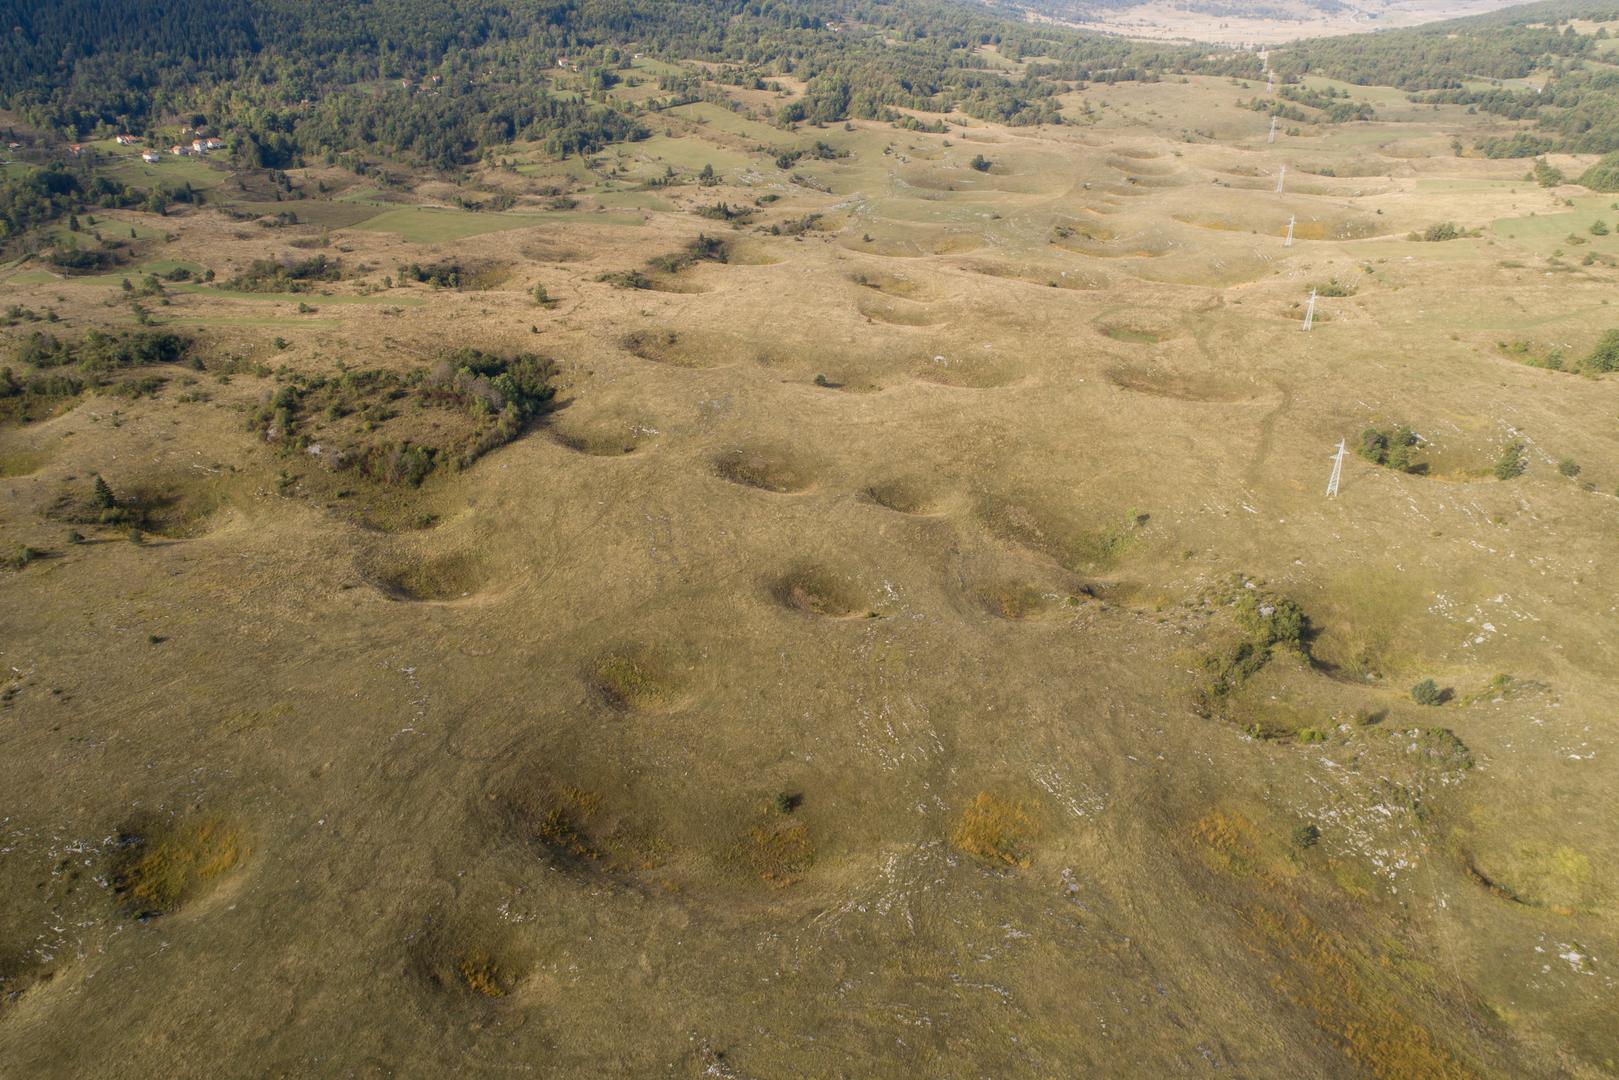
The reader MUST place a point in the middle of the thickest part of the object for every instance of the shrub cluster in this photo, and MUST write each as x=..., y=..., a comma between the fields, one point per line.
x=294, y=275
x=498, y=395
x=54, y=371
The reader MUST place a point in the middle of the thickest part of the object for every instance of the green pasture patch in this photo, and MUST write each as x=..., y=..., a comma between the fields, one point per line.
x=709, y=114
x=363, y=195
x=384, y=299
x=688, y=153
x=656, y=67
x=32, y=277
x=1548, y=231
x=427, y=225
x=331, y=215
x=1442, y=184
x=170, y=172
x=633, y=200
x=229, y=320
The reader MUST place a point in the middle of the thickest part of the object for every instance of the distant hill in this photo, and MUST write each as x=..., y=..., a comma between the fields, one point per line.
x=1247, y=21
x=431, y=83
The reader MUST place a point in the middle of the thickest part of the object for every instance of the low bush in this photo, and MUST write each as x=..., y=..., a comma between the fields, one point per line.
x=1512, y=462
x=1604, y=357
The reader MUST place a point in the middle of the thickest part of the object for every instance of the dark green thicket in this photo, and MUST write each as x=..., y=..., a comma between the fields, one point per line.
x=1605, y=356
x=48, y=372
x=293, y=275
x=1604, y=175
x=1395, y=448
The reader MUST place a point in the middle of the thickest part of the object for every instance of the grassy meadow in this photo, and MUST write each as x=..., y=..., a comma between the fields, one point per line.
x=914, y=641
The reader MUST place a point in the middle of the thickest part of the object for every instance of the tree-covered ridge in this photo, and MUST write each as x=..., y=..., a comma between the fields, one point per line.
x=292, y=78
x=1439, y=56
x=1575, y=110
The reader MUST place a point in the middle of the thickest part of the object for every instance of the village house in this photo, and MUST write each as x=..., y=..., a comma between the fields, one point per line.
x=125, y=140
x=151, y=157
x=76, y=149
x=180, y=151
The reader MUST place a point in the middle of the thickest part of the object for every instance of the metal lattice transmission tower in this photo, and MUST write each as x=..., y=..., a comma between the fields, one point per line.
x=1309, y=312
x=1280, y=177
x=1272, y=130
x=1292, y=218
x=1337, y=471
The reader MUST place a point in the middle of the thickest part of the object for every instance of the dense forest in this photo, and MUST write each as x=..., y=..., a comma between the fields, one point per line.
x=434, y=83
x=1429, y=58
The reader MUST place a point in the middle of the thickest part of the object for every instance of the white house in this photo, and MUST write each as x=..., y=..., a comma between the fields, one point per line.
x=125, y=140
x=151, y=157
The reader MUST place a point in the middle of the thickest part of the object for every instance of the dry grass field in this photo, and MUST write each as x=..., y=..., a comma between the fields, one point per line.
x=1270, y=23
x=915, y=645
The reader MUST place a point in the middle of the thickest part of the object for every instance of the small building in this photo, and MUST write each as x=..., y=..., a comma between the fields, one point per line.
x=76, y=149
x=125, y=140
x=151, y=157
x=212, y=143
x=180, y=151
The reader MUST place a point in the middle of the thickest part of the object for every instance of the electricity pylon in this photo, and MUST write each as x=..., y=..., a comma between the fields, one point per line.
x=1309, y=312
x=1337, y=471
x=1272, y=130
x=1281, y=176
x=1289, y=241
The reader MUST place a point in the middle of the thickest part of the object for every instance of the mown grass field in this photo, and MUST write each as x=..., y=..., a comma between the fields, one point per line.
x=422, y=225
